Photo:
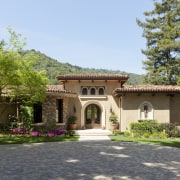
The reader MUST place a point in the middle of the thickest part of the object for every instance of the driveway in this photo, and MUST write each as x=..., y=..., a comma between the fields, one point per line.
x=86, y=160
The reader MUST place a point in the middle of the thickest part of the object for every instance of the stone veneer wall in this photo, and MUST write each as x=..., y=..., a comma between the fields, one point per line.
x=49, y=109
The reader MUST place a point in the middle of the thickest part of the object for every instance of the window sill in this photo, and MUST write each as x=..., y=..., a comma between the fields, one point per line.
x=93, y=97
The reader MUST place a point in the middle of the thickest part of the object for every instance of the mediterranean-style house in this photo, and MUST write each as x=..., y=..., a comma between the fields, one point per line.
x=92, y=98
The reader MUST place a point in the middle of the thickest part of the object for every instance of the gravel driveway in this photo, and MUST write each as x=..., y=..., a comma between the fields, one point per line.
x=85, y=160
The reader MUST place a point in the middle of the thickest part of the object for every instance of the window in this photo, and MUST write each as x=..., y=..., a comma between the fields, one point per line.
x=38, y=113
x=96, y=90
x=101, y=91
x=84, y=91
x=93, y=91
x=59, y=106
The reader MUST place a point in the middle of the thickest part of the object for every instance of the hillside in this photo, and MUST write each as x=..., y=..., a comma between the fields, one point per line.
x=55, y=67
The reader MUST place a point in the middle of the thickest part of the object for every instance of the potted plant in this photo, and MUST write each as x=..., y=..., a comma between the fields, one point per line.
x=114, y=121
x=72, y=122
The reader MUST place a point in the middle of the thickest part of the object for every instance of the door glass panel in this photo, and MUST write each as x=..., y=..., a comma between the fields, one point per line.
x=92, y=116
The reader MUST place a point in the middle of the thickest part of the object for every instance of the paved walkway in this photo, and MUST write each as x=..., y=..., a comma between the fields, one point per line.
x=89, y=160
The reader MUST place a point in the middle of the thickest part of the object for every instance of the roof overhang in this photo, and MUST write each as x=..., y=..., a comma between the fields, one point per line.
x=150, y=89
x=80, y=77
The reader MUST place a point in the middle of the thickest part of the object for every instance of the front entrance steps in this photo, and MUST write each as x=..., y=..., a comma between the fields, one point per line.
x=93, y=134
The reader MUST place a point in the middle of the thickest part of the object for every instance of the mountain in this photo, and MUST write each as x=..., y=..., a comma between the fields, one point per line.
x=55, y=68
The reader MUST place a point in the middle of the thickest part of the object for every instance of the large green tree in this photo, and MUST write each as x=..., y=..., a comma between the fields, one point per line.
x=162, y=31
x=18, y=79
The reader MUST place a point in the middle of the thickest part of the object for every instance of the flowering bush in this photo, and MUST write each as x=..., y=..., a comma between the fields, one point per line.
x=56, y=132
x=18, y=131
x=34, y=133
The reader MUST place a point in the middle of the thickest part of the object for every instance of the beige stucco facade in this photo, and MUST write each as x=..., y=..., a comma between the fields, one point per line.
x=7, y=109
x=131, y=108
x=93, y=98
x=105, y=102
x=95, y=107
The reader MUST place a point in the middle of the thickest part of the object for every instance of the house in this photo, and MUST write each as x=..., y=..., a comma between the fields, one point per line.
x=92, y=98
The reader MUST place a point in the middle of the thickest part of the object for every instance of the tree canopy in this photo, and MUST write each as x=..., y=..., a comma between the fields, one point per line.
x=18, y=79
x=162, y=31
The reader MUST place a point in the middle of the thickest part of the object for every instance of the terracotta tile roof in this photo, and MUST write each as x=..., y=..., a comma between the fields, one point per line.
x=148, y=89
x=93, y=77
x=57, y=89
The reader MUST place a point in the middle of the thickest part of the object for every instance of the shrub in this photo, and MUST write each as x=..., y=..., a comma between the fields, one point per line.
x=146, y=135
x=146, y=126
x=26, y=116
x=34, y=133
x=126, y=133
x=18, y=131
x=117, y=132
x=70, y=133
x=155, y=135
x=113, y=118
x=163, y=135
x=171, y=129
x=136, y=135
x=4, y=128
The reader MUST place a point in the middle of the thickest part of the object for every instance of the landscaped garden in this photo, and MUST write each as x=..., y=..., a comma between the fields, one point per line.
x=151, y=132
x=25, y=132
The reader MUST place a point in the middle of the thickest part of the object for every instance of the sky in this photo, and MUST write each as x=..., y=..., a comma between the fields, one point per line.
x=86, y=33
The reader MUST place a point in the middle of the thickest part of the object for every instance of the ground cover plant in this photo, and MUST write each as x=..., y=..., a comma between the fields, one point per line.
x=172, y=142
x=151, y=132
x=26, y=138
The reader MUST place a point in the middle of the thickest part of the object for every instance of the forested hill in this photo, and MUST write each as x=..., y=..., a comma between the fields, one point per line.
x=55, y=67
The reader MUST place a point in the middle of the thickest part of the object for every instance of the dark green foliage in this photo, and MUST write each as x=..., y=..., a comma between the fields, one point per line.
x=117, y=132
x=55, y=68
x=4, y=128
x=147, y=126
x=162, y=32
x=113, y=118
x=26, y=116
x=171, y=129
x=152, y=128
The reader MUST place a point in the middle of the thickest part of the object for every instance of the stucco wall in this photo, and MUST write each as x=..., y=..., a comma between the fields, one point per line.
x=5, y=111
x=175, y=109
x=105, y=102
x=130, y=108
x=75, y=86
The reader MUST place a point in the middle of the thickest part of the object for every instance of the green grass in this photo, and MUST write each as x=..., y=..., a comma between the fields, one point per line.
x=21, y=139
x=163, y=142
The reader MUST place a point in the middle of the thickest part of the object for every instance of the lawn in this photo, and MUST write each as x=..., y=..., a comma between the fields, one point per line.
x=21, y=139
x=163, y=142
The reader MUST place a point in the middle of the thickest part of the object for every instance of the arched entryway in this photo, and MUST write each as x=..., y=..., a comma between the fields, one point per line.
x=92, y=116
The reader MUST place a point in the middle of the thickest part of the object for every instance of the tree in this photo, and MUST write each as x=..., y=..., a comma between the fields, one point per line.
x=162, y=31
x=18, y=79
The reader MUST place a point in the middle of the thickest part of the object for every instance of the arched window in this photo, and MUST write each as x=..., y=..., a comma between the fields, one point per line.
x=145, y=111
x=101, y=91
x=84, y=91
x=93, y=91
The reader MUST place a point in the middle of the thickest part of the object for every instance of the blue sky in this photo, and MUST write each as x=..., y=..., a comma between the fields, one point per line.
x=86, y=33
